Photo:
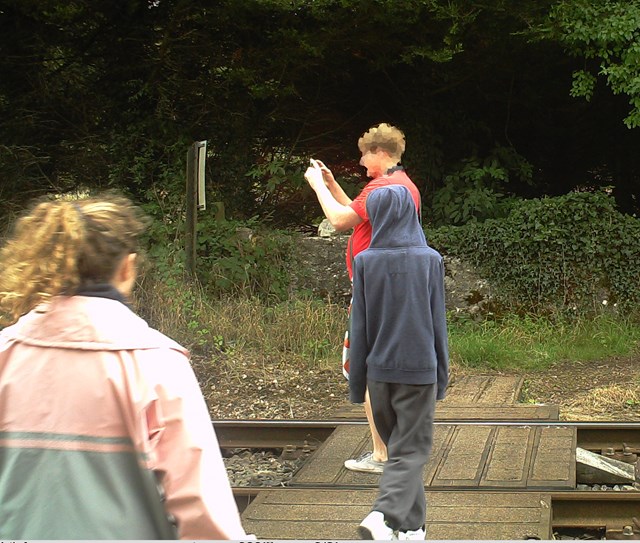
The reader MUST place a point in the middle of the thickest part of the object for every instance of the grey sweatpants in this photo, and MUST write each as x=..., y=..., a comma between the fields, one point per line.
x=403, y=415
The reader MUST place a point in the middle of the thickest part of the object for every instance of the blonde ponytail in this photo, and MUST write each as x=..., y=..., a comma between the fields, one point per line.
x=60, y=245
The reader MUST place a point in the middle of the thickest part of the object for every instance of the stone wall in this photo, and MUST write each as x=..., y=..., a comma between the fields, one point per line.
x=323, y=271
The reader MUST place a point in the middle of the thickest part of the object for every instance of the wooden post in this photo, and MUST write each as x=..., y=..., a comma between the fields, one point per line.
x=191, y=214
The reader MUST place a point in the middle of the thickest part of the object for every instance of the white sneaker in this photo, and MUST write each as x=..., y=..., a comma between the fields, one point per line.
x=364, y=463
x=374, y=527
x=413, y=535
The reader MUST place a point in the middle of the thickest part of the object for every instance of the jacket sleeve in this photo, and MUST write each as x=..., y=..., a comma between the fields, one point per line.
x=184, y=450
x=358, y=338
x=439, y=315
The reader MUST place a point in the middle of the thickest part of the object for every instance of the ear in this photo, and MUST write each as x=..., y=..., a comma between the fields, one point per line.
x=125, y=275
x=127, y=269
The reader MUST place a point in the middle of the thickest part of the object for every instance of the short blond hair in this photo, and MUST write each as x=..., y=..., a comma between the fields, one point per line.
x=60, y=245
x=383, y=136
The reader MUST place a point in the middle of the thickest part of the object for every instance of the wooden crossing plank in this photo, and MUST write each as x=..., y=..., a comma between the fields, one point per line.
x=335, y=514
x=479, y=515
x=463, y=461
x=479, y=397
x=465, y=456
x=485, y=389
x=442, y=437
x=509, y=457
x=554, y=459
x=326, y=466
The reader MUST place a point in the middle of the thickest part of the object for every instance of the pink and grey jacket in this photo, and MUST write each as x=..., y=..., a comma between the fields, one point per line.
x=104, y=433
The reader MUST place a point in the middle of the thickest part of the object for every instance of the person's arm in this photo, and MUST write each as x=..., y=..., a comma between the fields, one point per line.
x=334, y=187
x=358, y=339
x=341, y=217
x=185, y=450
x=439, y=315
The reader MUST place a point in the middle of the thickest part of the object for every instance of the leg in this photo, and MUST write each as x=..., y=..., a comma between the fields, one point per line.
x=367, y=463
x=379, y=447
x=370, y=462
x=404, y=417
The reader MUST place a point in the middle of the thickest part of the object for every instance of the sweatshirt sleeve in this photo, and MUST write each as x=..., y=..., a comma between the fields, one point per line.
x=185, y=451
x=439, y=314
x=358, y=338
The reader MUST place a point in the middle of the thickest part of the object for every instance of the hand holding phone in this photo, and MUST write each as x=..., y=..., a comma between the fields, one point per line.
x=313, y=174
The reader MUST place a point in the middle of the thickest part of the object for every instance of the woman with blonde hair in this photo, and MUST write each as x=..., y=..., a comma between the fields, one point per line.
x=104, y=432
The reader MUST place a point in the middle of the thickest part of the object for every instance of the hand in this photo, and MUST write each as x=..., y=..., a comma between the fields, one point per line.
x=326, y=173
x=314, y=175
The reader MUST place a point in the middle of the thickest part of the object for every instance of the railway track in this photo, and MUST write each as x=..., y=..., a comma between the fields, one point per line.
x=610, y=512
x=267, y=434
x=498, y=469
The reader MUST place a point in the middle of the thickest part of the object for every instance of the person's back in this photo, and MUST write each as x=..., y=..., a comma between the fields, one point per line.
x=403, y=336
x=76, y=380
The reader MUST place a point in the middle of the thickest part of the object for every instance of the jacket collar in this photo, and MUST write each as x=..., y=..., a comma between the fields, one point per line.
x=102, y=290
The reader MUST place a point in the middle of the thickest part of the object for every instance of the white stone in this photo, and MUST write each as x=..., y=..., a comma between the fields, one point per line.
x=326, y=229
x=594, y=468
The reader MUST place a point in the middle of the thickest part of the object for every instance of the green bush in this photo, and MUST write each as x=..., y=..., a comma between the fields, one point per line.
x=236, y=260
x=232, y=256
x=479, y=188
x=568, y=253
x=244, y=258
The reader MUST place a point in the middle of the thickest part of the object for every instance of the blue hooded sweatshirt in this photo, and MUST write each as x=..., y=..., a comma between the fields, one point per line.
x=398, y=318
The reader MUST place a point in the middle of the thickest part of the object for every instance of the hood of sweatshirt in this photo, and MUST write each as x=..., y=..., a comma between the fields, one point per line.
x=394, y=218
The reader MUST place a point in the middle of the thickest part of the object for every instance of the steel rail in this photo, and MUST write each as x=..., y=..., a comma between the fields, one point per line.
x=593, y=509
x=569, y=495
x=259, y=433
x=344, y=422
x=334, y=423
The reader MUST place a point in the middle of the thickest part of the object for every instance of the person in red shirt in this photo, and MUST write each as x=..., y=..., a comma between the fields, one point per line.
x=381, y=147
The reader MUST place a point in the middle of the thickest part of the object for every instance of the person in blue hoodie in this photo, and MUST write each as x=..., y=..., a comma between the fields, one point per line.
x=399, y=351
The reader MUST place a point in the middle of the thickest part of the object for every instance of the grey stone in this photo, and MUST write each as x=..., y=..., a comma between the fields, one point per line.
x=322, y=270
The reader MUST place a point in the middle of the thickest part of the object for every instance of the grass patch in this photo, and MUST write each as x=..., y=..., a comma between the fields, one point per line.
x=528, y=343
x=608, y=401
x=302, y=332
x=308, y=333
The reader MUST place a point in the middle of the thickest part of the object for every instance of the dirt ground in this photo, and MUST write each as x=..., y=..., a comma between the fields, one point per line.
x=603, y=390
x=606, y=390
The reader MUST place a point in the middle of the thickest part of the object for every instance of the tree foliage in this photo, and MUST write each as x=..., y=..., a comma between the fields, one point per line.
x=607, y=35
x=104, y=94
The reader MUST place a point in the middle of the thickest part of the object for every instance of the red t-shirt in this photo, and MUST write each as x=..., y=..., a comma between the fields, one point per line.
x=361, y=237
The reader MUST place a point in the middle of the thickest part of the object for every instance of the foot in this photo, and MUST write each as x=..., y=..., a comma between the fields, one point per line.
x=411, y=535
x=374, y=527
x=364, y=463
